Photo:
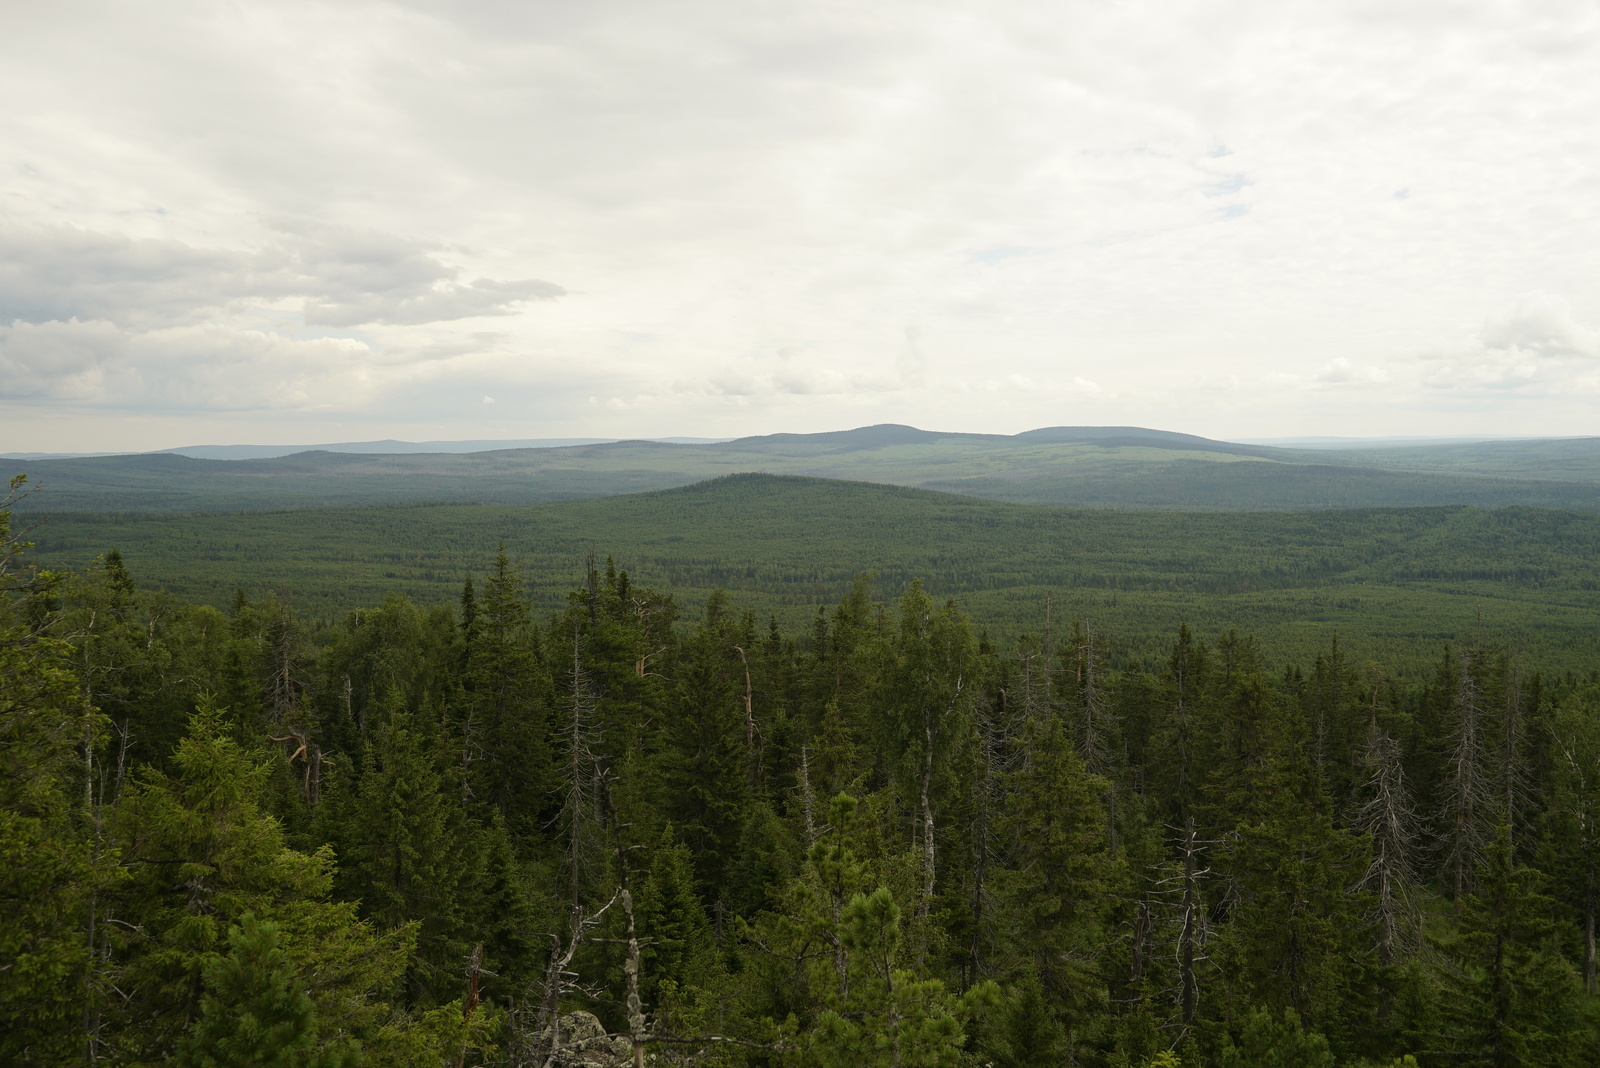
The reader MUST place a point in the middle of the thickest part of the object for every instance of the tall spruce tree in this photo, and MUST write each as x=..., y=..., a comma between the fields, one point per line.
x=201, y=852
x=255, y=1013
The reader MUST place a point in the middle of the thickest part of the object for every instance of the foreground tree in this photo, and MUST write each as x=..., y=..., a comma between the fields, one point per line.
x=202, y=853
x=254, y=1013
x=52, y=866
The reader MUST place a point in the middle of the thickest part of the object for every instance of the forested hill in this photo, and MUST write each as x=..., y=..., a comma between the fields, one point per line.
x=619, y=833
x=1115, y=467
x=1392, y=583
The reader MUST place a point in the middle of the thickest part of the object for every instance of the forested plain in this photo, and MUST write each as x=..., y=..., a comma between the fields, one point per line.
x=426, y=785
x=1390, y=583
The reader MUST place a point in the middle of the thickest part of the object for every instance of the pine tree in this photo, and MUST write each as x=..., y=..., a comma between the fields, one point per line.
x=886, y=1015
x=671, y=918
x=1570, y=851
x=503, y=725
x=254, y=1013
x=707, y=742
x=1271, y=1041
x=1175, y=777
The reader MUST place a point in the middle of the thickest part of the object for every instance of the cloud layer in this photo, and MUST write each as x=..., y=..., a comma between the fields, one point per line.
x=629, y=218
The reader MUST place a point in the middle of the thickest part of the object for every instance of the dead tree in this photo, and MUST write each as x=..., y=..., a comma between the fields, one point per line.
x=808, y=800
x=925, y=791
x=752, y=751
x=537, y=1042
x=1095, y=728
x=1513, y=779
x=311, y=755
x=1173, y=917
x=1389, y=820
x=1468, y=796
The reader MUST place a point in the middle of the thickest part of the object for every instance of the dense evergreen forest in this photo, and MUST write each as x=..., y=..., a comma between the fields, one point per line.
x=1392, y=583
x=446, y=834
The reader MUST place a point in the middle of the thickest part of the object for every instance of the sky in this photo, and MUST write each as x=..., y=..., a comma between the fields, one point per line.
x=294, y=222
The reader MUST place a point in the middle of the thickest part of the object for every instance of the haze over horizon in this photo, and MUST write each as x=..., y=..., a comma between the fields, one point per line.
x=306, y=221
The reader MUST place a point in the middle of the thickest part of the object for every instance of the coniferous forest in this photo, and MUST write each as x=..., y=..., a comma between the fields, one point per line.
x=469, y=835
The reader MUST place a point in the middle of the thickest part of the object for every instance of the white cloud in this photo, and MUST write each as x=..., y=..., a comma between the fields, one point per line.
x=1161, y=196
x=1541, y=325
x=339, y=278
x=1535, y=348
x=199, y=368
x=1342, y=372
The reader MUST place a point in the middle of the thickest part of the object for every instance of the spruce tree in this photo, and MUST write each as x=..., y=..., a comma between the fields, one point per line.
x=1513, y=1000
x=255, y=1013
x=1053, y=873
x=410, y=857
x=201, y=852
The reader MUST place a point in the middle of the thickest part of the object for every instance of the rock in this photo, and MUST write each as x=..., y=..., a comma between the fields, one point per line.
x=585, y=1044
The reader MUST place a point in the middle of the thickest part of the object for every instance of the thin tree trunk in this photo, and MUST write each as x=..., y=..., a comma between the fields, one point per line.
x=926, y=905
x=1190, y=993
x=630, y=970
x=807, y=799
x=752, y=756
x=1588, y=938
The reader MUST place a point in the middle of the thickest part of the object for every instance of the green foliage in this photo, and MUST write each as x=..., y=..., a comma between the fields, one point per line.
x=53, y=864
x=1512, y=998
x=254, y=1013
x=409, y=854
x=1393, y=584
x=1268, y=1040
x=1051, y=889
x=201, y=854
x=882, y=1014
x=1041, y=849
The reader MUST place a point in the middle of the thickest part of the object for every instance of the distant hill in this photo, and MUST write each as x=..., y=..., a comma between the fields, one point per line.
x=1100, y=467
x=386, y=446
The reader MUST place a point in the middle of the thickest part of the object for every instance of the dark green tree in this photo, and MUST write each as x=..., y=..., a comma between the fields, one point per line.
x=255, y=1013
x=201, y=852
x=1513, y=999
x=410, y=857
x=52, y=871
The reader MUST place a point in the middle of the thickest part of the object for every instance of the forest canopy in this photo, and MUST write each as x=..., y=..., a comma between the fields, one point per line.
x=479, y=833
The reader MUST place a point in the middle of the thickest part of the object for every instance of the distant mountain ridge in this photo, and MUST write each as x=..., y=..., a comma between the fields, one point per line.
x=875, y=436
x=386, y=446
x=1104, y=467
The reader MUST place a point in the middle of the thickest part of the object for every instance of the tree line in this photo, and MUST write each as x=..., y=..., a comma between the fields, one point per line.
x=433, y=837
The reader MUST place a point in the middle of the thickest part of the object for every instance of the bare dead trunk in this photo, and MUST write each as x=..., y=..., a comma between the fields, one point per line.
x=1190, y=993
x=807, y=799
x=752, y=755
x=630, y=971
x=925, y=907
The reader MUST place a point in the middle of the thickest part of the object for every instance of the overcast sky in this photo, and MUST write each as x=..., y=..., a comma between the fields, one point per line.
x=291, y=222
